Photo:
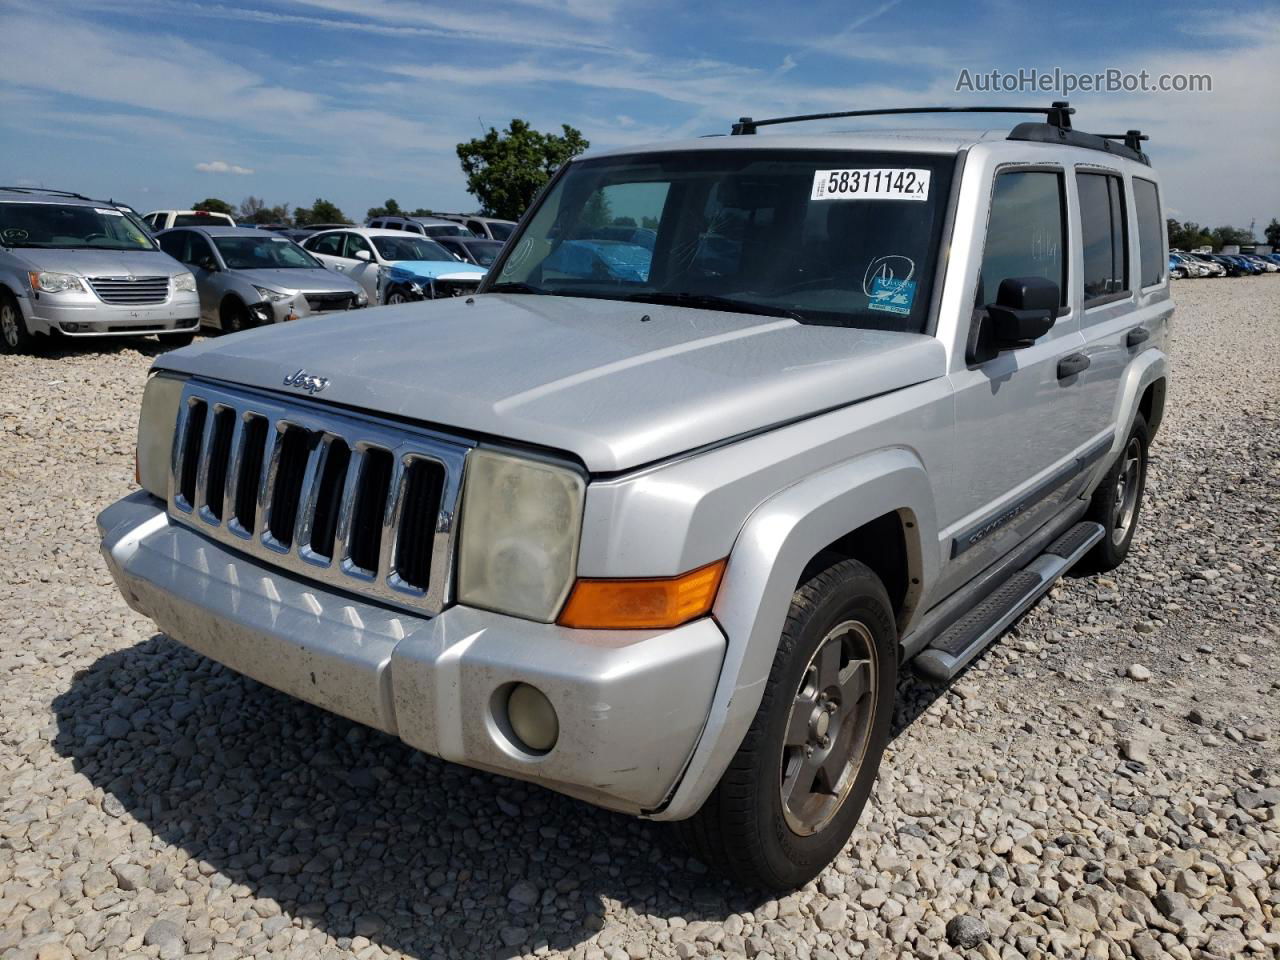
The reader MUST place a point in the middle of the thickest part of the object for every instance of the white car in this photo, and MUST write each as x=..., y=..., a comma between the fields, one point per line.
x=393, y=266
x=164, y=219
x=1192, y=266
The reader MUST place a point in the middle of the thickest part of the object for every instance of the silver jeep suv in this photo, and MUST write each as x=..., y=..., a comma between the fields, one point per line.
x=656, y=523
x=84, y=268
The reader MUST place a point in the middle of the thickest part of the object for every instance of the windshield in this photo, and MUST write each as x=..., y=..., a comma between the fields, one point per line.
x=501, y=231
x=410, y=248
x=841, y=238
x=484, y=251
x=263, y=253
x=446, y=230
x=70, y=226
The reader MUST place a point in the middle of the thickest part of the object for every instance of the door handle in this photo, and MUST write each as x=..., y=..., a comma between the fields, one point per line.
x=1069, y=366
x=1136, y=336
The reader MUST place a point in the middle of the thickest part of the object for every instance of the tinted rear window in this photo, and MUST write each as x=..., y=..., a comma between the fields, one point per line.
x=1151, y=231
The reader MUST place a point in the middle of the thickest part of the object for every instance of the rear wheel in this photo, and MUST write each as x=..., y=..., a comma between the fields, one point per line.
x=1118, y=500
x=792, y=794
x=14, y=336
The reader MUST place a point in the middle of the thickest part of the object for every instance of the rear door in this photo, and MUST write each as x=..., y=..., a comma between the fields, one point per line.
x=327, y=248
x=1124, y=283
x=1018, y=430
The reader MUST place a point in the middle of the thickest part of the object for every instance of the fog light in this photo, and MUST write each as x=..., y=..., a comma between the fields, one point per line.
x=533, y=718
x=71, y=327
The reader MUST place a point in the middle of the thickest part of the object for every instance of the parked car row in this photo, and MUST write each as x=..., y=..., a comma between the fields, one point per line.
x=72, y=265
x=1183, y=265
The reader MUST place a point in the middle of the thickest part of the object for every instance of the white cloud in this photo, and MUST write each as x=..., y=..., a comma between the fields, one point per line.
x=221, y=166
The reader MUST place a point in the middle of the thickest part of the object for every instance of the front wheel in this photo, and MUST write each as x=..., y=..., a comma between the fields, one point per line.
x=14, y=336
x=792, y=794
x=1118, y=500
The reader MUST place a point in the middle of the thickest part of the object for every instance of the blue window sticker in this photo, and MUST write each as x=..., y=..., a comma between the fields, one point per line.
x=892, y=295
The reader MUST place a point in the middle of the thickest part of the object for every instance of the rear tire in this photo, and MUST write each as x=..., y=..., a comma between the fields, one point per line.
x=14, y=335
x=792, y=794
x=1118, y=500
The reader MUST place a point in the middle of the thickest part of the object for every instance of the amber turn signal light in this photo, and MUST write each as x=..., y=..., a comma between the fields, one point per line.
x=642, y=604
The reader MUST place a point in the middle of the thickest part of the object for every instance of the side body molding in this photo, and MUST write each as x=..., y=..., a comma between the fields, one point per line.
x=776, y=543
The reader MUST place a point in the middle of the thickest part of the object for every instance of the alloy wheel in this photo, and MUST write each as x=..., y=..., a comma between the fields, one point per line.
x=9, y=324
x=1127, y=487
x=829, y=727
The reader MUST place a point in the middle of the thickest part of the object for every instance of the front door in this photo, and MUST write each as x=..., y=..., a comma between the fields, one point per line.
x=1018, y=426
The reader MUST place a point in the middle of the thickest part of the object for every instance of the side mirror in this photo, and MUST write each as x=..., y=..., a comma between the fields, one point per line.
x=363, y=255
x=1024, y=311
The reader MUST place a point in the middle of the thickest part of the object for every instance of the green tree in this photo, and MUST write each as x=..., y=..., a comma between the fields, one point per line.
x=388, y=209
x=1225, y=236
x=597, y=212
x=1272, y=232
x=1187, y=236
x=322, y=211
x=506, y=170
x=214, y=205
x=420, y=212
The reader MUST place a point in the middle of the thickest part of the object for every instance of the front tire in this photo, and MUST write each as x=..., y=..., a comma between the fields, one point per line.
x=792, y=794
x=14, y=335
x=1118, y=500
x=234, y=316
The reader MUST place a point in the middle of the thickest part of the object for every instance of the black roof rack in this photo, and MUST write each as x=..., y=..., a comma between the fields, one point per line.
x=49, y=190
x=1058, y=114
x=1056, y=127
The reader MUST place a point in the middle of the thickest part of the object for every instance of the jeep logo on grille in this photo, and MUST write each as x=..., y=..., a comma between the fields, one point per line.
x=306, y=381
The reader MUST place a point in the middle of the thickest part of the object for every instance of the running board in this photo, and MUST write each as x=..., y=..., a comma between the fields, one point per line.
x=953, y=649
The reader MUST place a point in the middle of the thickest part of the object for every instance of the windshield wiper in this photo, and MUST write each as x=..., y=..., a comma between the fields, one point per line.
x=708, y=301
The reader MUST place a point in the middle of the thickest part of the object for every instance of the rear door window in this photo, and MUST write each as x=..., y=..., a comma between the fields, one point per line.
x=329, y=244
x=1104, y=236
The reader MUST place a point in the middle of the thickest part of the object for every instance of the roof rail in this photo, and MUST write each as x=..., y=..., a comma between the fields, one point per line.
x=1130, y=149
x=1057, y=114
x=49, y=190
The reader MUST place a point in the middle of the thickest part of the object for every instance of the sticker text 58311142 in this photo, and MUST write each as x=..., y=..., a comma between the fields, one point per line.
x=883, y=184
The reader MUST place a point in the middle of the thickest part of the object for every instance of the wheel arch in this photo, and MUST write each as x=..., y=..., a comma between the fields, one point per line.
x=885, y=493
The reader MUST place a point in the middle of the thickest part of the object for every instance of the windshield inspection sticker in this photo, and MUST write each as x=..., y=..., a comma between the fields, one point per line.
x=892, y=296
x=883, y=184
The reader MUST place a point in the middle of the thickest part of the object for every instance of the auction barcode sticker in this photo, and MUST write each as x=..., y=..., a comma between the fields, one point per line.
x=891, y=184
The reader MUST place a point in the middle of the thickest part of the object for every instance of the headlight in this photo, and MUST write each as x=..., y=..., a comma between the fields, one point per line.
x=184, y=283
x=156, y=424
x=55, y=282
x=521, y=521
x=274, y=295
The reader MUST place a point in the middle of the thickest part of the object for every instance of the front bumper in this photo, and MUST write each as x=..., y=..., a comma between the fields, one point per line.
x=89, y=317
x=631, y=706
x=294, y=308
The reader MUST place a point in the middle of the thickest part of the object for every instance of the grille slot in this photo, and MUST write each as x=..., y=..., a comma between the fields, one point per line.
x=131, y=292
x=291, y=465
x=362, y=505
x=333, y=478
x=420, y=506
x=323, y=302
x=224, y=426
x=252, y=457
x=192, y=440
x=370, y=509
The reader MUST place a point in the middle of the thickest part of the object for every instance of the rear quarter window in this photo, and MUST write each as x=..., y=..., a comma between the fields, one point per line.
x=1151, y=231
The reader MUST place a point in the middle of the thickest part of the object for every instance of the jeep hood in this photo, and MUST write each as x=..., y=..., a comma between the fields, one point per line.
x=617, y=384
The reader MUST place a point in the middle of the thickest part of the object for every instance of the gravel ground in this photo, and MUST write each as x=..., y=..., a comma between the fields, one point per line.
x=1102, y=783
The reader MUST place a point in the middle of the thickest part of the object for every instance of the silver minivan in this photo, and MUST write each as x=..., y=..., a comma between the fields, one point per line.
x=79, y=267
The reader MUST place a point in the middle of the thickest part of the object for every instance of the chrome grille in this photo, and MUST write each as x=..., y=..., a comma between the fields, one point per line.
x=357, y=503
x=131, y=291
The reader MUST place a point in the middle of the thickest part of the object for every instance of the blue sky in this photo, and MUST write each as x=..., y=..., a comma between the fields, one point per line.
x=162, y=102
